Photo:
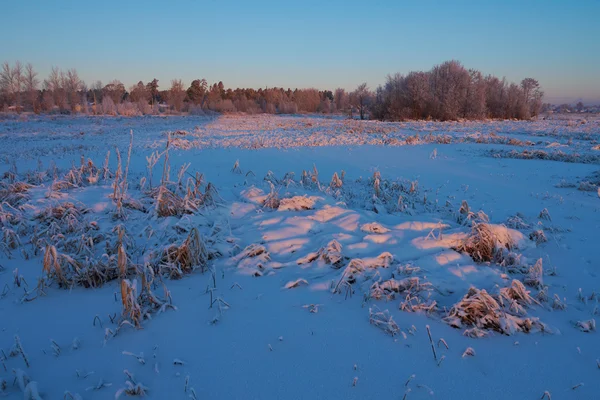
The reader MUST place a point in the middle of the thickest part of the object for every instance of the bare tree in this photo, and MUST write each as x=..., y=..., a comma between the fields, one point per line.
x=474, y=106
x=72, y=87
x=84, y=99
x=341, y=100
x=418, y=94
x=496, y=95
x=361, y=99
x=55, y=84
x=6, y=82
x=96, y=95
x=516, y=104
x=31, y=87
x=11, y=83
x=18, y=84
x=533, y=95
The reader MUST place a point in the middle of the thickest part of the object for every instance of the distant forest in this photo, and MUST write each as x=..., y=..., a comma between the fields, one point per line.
x=448, y=91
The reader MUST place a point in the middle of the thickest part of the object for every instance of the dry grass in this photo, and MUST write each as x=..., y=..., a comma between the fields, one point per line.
x=66, y=216
x=185, y=258
x=389, y=288
x=538, y=236
x=330, y=254
x=272, y=200
x=61, y=267
x=383, y=320
x=481, y=311
x=586, y=326
x=483, y=245
x=336, y=181
x=296, y=203
x=14, y=194
x=132, y=311
x=535, y=275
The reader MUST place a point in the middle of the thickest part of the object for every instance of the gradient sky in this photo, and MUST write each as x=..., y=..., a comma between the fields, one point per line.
x=323, y=44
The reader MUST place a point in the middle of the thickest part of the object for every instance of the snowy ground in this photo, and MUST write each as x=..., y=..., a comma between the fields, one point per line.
x=325, y=295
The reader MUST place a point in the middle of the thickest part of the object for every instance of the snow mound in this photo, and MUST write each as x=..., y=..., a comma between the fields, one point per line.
x=374, y=227
x=253, y=195
x=296, y=283
x=297, y=203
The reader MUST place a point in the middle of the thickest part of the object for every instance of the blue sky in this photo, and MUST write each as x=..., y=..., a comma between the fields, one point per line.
x=323, y=44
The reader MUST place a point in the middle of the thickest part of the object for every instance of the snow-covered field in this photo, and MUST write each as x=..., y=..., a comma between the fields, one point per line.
x=265, y=257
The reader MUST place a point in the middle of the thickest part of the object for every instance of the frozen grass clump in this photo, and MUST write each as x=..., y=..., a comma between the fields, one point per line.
x=330, y=254
x=254, y=259
x=412, y=289
x=59, y=267
x=272, y=200
x=361, y=268
x=479, y=312
x=182, y=196
x=535, y=275
x=586, y=326
x=488, y=243
x=65, y=218
x=336, y=181
x=139, y=305
x=586, y=186
x=14, y=194
x=538, y=236
x=383, y=320
x=178, y=260
x=10, y=216
x=390, y=287
x=517, y=222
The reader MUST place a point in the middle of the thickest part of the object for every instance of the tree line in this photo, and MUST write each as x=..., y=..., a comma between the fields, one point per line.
x=446, y=92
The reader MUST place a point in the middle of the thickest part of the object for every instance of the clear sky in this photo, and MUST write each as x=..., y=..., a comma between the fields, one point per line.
x=323, y=44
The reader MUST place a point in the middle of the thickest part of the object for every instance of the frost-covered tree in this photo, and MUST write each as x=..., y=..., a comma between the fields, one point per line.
x=115, y=90
x=341, y=101
x=449, y=82
x=449, y=92
x=418, y=94
x=308, y=100
x=176, y=95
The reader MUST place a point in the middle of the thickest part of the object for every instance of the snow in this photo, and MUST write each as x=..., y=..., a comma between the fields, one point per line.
x=349, y=271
